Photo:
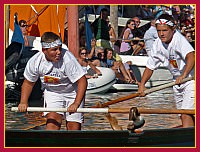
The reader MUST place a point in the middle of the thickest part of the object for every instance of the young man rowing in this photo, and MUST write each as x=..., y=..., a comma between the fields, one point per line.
x=172, y=50
x=63, y=81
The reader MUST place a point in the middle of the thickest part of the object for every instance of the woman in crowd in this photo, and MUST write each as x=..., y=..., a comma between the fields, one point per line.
x=126, y=45
x=87, y=65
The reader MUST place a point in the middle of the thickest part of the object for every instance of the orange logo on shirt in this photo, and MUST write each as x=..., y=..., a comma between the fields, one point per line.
x=50, y=79
x=174, y=63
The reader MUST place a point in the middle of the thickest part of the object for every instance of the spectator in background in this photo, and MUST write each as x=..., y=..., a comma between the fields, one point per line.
x=130, y=10
x=176, y=12
x=150, y=36
x=122, y=70
x=100, y=29
x=127, y=38
x=100, y=55
x=188, y=36
x=111, y=33
x=168, y=9
x=92, y=55
x=187, y=18
x=90, y=69
x=98, y=8
x=157, y=10
x=137, y=34
x=145, y=12
x=23, y=26
x=101, y=32
x=137, y=21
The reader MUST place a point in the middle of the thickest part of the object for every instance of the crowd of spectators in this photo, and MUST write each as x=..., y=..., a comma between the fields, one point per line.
x=104, y=40
x=183, y=14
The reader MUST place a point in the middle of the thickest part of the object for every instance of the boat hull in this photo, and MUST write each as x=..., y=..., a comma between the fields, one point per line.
x=173, y=137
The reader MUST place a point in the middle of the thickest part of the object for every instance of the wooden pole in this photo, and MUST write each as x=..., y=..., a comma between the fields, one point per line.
x=7, y=24
x=114, y=18
x=111, y=110
x=154, y=89
x=73, y=29
x=112, y=120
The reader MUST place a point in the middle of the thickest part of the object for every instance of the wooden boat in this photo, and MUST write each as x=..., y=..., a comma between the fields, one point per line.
x=133, y=137
x=160, y=76
x=173, y=137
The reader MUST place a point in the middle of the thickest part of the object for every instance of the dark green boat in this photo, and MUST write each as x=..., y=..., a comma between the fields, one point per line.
x=173, y=137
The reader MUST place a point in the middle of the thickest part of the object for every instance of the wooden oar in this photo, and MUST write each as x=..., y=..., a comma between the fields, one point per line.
x=154, y=89
x=112, y=120
x=111, y=110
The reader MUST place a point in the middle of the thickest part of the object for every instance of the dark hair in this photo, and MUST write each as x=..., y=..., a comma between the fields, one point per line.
x=107, y=49
x=103, y=10
x=81, y=49
x=127, y=23
x=22, y=21
x=106, y=52
x=49, y=37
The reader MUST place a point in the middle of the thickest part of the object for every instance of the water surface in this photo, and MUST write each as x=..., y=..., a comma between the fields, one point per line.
x=98, y=121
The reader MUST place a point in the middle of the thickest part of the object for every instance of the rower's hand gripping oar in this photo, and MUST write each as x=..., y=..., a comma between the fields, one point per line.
x=148, y=91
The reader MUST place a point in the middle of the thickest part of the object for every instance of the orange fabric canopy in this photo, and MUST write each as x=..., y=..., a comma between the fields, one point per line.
x=42, y=18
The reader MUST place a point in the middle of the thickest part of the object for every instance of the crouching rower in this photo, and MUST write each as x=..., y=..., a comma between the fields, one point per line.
x=172, y=50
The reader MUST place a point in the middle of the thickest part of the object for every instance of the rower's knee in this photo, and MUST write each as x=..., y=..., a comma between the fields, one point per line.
x=187, y=120
x=54, y=121
x=73, y=125
x=52, y=124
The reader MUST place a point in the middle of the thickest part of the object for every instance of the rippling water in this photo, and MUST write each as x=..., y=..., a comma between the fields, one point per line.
x=98, y=121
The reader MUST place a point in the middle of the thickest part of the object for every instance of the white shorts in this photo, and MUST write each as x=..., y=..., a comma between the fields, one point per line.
x=184, y=95
x=56, y=100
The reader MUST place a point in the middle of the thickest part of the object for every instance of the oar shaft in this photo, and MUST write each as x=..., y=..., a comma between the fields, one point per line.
x=110, y=110
x=120, y=99
x=164, y=86
x=79, y=110
x=152, y=111
x=166, y=111
x=154, y=89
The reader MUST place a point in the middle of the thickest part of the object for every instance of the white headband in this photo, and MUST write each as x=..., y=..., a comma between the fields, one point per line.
x=48, y=45
x=164, y=21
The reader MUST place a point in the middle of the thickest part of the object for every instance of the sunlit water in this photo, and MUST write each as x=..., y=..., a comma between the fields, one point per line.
x=98, y=121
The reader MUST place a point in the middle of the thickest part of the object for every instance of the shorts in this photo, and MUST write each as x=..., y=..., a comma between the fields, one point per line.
x=184, y=95
x=57, y=100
